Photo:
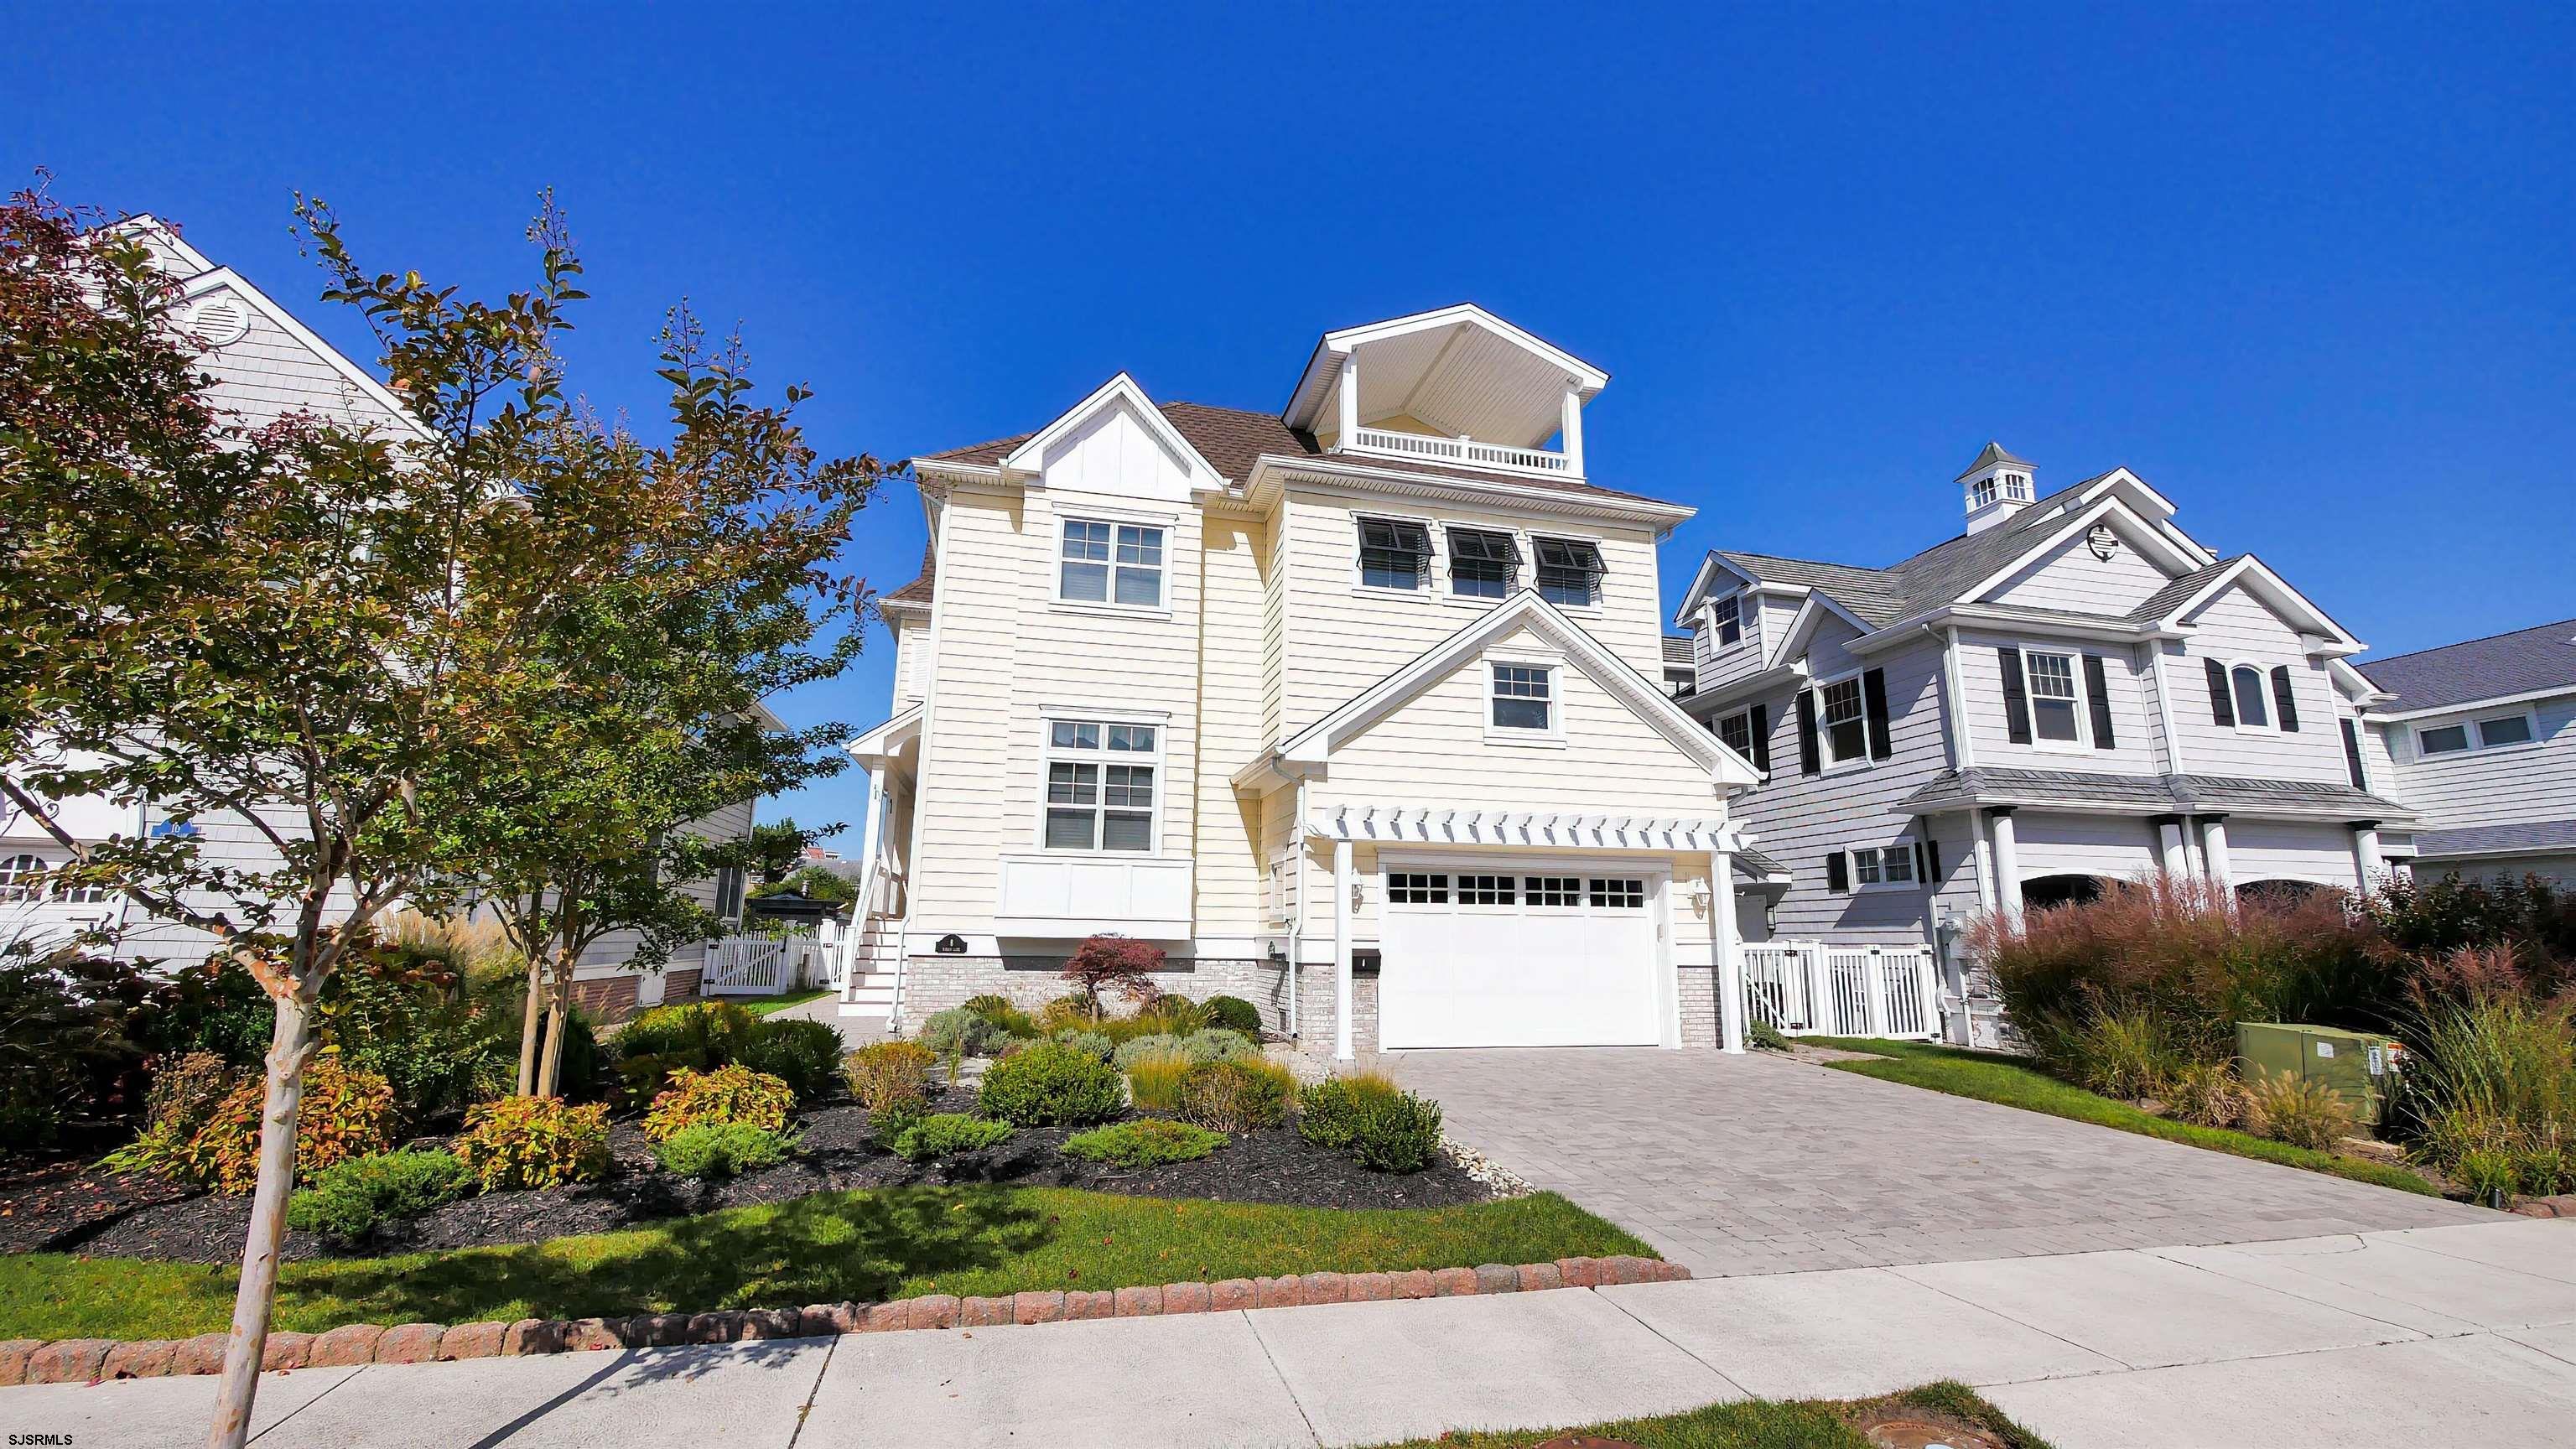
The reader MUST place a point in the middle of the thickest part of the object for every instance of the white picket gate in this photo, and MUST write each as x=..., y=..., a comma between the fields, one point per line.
x=1812, y=988
x=763, y=965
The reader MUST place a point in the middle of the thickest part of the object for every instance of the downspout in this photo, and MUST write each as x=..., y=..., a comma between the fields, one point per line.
x=1297, y=917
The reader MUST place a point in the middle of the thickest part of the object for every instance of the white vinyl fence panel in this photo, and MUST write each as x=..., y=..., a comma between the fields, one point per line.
x=1812, y=988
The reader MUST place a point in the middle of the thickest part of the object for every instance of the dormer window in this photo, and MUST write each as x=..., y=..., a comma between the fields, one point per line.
x=1482, y=565
x=1726, y=618
x=1395, y=553
x=1569, y=570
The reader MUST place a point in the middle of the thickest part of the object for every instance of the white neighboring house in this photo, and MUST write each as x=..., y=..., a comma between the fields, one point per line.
x=2073, y=691
x=1355, y=708
x=2480, y=738
x=266, y=365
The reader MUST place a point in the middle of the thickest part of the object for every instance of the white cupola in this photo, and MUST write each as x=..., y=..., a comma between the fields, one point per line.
x=1997, y=486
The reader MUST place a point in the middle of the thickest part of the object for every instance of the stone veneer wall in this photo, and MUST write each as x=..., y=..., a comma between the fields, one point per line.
x=1315, y=1010
x=932, y=984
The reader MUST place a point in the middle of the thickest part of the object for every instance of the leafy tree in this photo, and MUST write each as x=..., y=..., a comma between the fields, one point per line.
x=345, y=641
x=778, y=847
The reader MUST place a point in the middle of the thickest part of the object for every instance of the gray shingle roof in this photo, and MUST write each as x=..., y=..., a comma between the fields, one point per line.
x=2541, y=657
x=1231, y=438
x=2534, y=838
x=1677, y=649
x=1994, y=453
x=1938, y=575
x=2208, y=794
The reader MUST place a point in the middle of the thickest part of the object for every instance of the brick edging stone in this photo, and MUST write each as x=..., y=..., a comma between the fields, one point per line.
x=92, y=1360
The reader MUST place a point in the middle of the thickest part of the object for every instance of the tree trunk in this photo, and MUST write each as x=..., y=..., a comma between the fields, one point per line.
x=550, y=1075
x=291, y=1049
x=528, y=1026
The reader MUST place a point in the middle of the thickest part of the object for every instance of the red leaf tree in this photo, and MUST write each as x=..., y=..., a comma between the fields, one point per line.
x=1114, y=963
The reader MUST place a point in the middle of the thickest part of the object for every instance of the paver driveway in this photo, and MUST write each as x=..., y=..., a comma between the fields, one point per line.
x=1755, y=1164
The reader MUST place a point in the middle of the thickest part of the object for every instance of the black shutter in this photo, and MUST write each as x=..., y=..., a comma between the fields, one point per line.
x=2097, y=684
x=1838, y=873
x=2281, y=696
x=1808, y=764
x=1873, y=698
x=2016, y=697
x=2352, y=756
x=2221, y=709
x=1922, y=867
x=1932, y=857
x=1762, y=738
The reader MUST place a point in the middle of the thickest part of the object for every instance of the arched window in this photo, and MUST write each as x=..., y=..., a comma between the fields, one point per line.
x=22, y=878
x=2251, y=711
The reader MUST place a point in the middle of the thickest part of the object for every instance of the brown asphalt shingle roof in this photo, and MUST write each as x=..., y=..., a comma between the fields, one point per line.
x=918, y=591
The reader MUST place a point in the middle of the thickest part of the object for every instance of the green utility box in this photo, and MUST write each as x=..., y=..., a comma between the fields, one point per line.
x=2358, y=1066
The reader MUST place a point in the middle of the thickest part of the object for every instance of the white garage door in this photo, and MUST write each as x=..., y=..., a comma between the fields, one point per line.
x=1476, y=960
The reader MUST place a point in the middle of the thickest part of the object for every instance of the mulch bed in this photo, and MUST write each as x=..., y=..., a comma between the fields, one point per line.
x=159, y=1222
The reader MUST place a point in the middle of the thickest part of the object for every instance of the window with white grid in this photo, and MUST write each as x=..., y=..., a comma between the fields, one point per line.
x=1101, y=785
x=1106, y=562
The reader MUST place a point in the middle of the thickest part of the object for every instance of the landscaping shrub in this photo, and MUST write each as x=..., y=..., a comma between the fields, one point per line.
x=888, y=1073
x=1113, y=963
x=2433, y=920
x=1137, y=1048
x=346, y=1113
x=1051, y=1085
x=1146, y=1142
x=1000, y=1012
x=70, y=1063
x=2543, y=1171
x=2492, y=1070
x=2204, y=1093
x=804, y=1054
x=1092, y=1043
x=1067, y=1011
x=2487, y=1173
x=408, y=1017
x=948, y=1134
x=1233, y=1013
x=182, y=1100
x=1215, y=1044
x=960, y=1031
x=215, y=1008
x=1762, y=1036
x=1154, y=1078
x=1176, y=1015
x=720, y=1149
x=734, y=1094
x=532, y=1142
x=2122, y=1051
x=697, y=1035
x=1382, y=1126
x=1237, y=1095
x=887, y=1125
x=2296, y=1110
x=354, y=1198
x=1328, y=1111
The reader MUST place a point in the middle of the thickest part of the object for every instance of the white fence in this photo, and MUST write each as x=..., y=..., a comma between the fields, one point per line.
x=763, y=965
x=1810, y=988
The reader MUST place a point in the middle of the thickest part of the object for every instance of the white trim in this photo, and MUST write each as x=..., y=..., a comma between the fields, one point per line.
x=1028, y=457
x=2263, y=686
x=1827, y=764
x=1049, y=753
x=885, y=740
x=1528, y=539
x=1902, y=849
x=1316, y=379
x=365, y=381
x=1163, y=529
x=1445, y=826
x=1433, y=573
x=2471, y=706
x=2077, y=524
x=1551, y=668
x=2083, y=743
x=167, y=235
x=1332, y=470
x=2473, y=722
x=1699, y=582
x=1802, y=625
x=1315, y=744
x=2338, y=639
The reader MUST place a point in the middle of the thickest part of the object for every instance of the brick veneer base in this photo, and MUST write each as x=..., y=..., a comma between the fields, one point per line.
x=91, y=1360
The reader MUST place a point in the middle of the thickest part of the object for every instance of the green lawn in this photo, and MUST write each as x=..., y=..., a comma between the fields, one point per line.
x=1762, y=1424
x=2000, y=1079
x=830, y=1247
x=764, y=1005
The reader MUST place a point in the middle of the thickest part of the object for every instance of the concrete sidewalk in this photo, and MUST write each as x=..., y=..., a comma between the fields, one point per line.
x=2435, y=1335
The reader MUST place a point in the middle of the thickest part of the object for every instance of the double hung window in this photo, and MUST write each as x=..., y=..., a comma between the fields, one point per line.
x=1100, y=785
x=1524, y=697
x=1846, y=731
x=1728, y=617
x=1111, y=563
x=2054, y=702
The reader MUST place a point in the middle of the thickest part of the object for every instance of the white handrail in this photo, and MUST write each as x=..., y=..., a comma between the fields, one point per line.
x=1461, y=450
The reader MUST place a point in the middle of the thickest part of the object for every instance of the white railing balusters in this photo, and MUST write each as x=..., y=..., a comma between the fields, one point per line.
x=1812, y=988
x=1461, y=450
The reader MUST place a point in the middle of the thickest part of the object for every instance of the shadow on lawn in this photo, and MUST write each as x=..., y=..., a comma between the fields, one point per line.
x=826, y=1248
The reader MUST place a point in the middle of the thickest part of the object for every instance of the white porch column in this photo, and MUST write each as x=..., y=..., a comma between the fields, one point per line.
x=2007, y=862
x=1350, y=410
x=2371, y=866
x=2176, y=852
x=2213, y=854
x=1342, y=950
x=1570, y=425
x=1730, y=956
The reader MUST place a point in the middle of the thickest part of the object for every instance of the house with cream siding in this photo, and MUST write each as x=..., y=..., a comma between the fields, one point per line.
x=2074, y=691
x=2479, y=739
x=1357, y=708
x=263, y=364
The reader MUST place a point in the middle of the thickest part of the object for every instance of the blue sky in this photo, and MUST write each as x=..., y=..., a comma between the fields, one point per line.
x=2309, y=271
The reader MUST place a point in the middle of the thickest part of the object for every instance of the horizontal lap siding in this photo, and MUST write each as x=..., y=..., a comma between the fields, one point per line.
x=2234, y=628
x=2132, y=697
x=2287, y=850
x=2114, y=847
x=1230, y=863
x=2511, y=786
x=1799, y=820
x=1339, y=641
x=2069, y=577
x=268, y=375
